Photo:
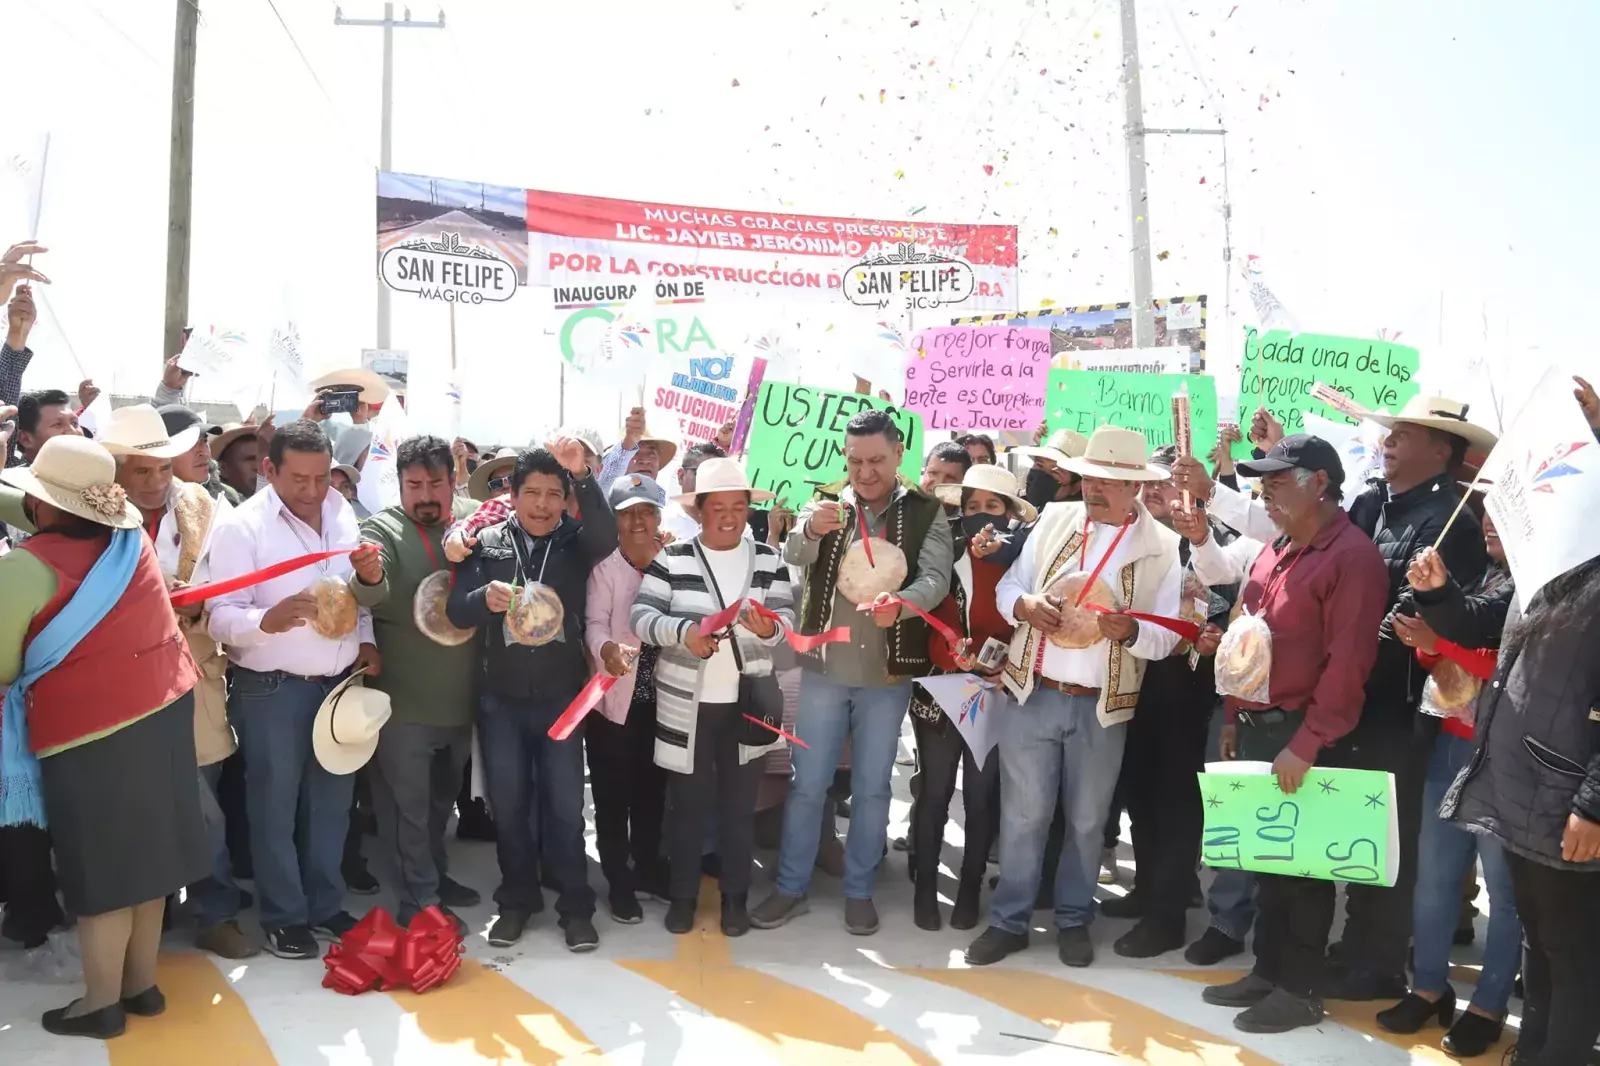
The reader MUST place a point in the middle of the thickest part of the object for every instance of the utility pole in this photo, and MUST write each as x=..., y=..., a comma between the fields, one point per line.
x=180, y=178
x=386, y=130
x=1144, y=323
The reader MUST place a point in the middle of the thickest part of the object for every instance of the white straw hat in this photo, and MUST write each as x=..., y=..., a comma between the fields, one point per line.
x=374, y=390
x=77, y=476
x=1116, y=454
x=1443, y=414
x=1060, y=446
x=721, y=475
x=989, y=478
x=345, y=733
x=139, y=429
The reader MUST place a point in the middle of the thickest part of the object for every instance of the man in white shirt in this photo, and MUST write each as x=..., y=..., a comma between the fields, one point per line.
x=1066, y=735
x=282, y=671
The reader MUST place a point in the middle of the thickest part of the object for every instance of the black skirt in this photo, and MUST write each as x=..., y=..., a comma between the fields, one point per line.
x=124, y=813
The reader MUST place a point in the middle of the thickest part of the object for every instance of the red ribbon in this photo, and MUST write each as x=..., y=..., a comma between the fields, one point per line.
x=780, y=732
x=800, y=642
x=377, y=953
x=866, y=535
x=196, y=593
x=1187, y=630
x=940, y=627
x=588, y=699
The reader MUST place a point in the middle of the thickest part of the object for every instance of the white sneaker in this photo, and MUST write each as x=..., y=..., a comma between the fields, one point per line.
x=1108, y=866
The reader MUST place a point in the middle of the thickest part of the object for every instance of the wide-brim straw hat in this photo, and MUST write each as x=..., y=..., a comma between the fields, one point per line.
x=665, y=448
x=989, y=478
x=489, y=469
x=1116, y=454
x=224, y=435
x=1443, y=414
x=139, y=429
x=722, y=475
x=374, y=390
x=76, y=475
x=345, y=733
x=1060, y=446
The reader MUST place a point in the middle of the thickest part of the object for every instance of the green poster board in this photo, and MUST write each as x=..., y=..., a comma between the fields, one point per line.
x=797, y=438
x=1083, y=399
x=1339, y=826
x=1279, y=368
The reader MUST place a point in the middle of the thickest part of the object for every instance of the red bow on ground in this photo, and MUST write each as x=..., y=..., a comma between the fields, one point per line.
x=377, y=953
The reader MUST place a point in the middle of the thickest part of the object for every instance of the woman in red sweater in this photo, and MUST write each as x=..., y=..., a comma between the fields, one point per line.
x=993, y=517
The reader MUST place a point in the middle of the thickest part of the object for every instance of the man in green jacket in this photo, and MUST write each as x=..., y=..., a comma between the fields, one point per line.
x=429, y=674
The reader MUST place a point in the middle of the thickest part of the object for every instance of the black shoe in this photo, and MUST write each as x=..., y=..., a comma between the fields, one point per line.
x=925, y=906
x=735, y=914
x=1412, y=1013
x=1149, y=938
x=1074, y=946
x=358, y=879
x=507, y=927
x=711, y=865
x=581, y=934
x=842, y=808
x=1129, y=906
x=475, y=823
x=680, y=916
x=1471, y=1035
x=652, y=886
x=147, y=1004
x=456, y=894
x=103, y=1024
x=994, y=944
x=1364, y=985
x=964, y=915
x=625, y=909
x=1279, y=1013
x=1213, y=946
x=407, y=915
x=335, y=926
x=1247, y=991
x=1464, y=935
x=292, y=942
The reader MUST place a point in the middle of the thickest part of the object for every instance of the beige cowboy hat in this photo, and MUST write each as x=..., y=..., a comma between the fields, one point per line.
x=78, y=476
x=989, y=478
x=721, y=475
x=226, y=434
x=1443, y=414
x=583, y=434
x=374, y=390
x=348, y=471
x=345, y=733
x=489, y=469
x=139, y=429
x=1116, y=454
x=664, y=448
x=1060, y=446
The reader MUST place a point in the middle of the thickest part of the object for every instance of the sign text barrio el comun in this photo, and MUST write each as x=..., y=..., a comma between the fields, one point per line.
x=921, y=279
x=448, y=269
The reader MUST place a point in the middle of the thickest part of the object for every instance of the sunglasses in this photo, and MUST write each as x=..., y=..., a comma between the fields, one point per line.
x=499, y=484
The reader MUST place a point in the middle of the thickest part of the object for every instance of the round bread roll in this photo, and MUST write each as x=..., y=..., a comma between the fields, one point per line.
x=427, y=610
x=336, y=608
x=536, y=617
x=1454, y=688
x=1080, y=627
x=1244, y=659
x=861, y=581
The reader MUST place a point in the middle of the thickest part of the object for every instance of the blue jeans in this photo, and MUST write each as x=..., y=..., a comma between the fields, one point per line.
x=826, y=712
x=535, y=784
x=1053, y=745
x=283, y=783
x=216, y=898
x=1445, y=853
x=1231, y=899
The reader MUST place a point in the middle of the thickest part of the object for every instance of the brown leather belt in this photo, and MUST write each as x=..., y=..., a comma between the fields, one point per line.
x=1067, y=688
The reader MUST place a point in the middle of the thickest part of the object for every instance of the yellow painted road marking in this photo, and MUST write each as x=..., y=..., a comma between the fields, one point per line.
x=1096, y=1020
x=206, y=1021
x=795, y=1025
x=482, y=1014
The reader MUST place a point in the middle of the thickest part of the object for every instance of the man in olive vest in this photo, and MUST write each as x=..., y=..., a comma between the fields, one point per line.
x=860, y=687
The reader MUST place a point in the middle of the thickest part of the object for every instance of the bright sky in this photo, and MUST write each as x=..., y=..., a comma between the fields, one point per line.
x=1382, y=159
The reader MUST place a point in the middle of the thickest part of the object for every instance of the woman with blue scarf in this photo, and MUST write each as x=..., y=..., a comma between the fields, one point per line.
x=97, y=737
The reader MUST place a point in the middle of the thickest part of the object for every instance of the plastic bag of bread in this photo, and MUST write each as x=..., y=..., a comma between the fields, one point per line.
x=1080, y=627
x=535, y=616
x=336, y=608
x=1244, y=659
x=860, y=580
x=428, y=611
x=1450, y=692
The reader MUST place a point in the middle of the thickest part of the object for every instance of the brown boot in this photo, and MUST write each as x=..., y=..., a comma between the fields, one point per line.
x=227, y=941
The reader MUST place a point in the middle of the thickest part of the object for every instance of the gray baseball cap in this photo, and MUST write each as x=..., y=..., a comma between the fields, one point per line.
x=631, y=490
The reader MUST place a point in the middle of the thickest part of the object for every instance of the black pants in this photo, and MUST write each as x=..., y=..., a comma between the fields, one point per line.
x=1560, y=912
x=28, y=884
x=629, y=797
x=1166, y=748
x=719, y=783
x=235, y=818
x=941, y=752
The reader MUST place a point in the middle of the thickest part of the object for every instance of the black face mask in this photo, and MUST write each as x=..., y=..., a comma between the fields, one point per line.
x=1040, y=487
x=1006, y=554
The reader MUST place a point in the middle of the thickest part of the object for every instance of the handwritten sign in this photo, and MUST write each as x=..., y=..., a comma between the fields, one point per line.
x=1083, y=399
x=797, y=438
x=1279, y=369
x=971, y=377
x=1340, y=825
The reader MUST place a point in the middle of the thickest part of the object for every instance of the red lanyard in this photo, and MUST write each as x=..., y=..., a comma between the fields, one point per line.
x=1083, y=555
x=433, y=558
x=1276, y=585
x=866, y=534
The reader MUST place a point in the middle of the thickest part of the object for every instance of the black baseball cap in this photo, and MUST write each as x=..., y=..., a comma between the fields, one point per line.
x=177, y=418
x=1301, y=451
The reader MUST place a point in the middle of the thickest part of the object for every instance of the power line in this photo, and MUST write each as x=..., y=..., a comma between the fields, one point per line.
x=120, y=32
x=306, y=62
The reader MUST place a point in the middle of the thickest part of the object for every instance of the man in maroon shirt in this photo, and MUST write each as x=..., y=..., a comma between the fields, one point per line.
x=1322, y=588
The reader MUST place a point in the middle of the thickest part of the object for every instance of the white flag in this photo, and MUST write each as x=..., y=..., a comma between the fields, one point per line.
x=1545, y=475
x=1360, y=450
x=26, y=160
x=970, y=703
x=380, y=479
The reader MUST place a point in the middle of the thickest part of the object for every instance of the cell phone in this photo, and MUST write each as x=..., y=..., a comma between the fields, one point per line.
x=992, y=654
x=341, y=401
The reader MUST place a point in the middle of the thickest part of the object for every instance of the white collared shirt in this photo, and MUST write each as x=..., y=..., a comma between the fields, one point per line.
x=262, y=531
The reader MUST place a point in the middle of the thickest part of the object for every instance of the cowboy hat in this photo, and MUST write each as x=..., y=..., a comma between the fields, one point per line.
x=139, y=429
x=989, y=478
x=1060, y=446
x=721, y=475
x=345, y=733
x=224, y=435
x=77, y=476
x=348, y=471
x=665, y=448
x=1116, y=454
x=374, y=390
x=583, y=434
x=488, y=470
x=1443, y=414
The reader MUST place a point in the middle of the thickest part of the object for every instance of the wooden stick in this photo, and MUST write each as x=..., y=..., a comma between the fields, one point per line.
x=1459, y=506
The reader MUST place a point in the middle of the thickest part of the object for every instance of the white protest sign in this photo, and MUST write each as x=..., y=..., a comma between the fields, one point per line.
x=970, y=704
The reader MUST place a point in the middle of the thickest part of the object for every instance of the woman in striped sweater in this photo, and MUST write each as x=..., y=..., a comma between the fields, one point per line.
x=705, y=684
